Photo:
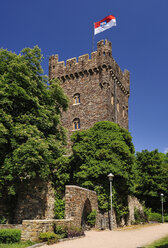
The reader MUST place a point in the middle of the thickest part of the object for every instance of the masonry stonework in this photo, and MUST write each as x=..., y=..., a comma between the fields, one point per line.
x=31, y=229
x=78, y=203
x=35, y=201
x=134, y=203
x=101, y=85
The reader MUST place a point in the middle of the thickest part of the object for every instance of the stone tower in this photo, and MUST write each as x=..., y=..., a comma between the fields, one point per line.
x=97, y=88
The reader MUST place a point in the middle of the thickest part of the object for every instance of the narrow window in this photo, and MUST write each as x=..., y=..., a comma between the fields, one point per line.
x=118, y=106
x=76, y=124
x=76, y=99
x=127, y=110
x=123, y=111
x=112, y=100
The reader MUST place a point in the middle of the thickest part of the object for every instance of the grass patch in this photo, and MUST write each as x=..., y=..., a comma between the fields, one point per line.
x=161, y=243
x=17, y=245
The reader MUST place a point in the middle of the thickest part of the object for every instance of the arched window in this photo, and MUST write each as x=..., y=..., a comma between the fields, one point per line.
x=76, y=124
x=76, y=99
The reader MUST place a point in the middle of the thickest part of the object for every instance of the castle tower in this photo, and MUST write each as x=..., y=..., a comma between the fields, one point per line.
x=97, y=88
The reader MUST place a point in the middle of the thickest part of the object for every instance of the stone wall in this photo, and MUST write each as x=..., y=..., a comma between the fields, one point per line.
x=35, y=201
x=133, y=203
x=102, y=86
x=103, y=220
x=11, y=226
x=32, y=228
x=78, y=203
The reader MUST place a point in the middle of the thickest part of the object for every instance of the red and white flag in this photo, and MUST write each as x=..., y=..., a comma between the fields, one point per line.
x=106, y=23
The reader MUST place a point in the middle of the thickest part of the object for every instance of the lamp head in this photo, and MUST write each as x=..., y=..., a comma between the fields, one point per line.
x=110, y=176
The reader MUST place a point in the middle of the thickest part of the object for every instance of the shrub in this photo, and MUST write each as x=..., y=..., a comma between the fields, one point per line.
x=166, y=218
x=147, y=212
x=3, y=220
x=68, y=232
x=139, y=217
x=155, y=217
x=61, y=231
x=59, y=207
x=91, y=218
x=49, y=237
x=10, y=235
x=75, y=231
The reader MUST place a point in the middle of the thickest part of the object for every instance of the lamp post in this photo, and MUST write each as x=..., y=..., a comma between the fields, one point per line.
x=162, y=206
x=110, y=176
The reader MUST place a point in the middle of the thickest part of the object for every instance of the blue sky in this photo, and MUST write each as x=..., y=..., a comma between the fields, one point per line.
x=139, y=43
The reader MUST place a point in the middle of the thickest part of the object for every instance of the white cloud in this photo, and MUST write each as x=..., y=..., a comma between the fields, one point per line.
x=166, y=150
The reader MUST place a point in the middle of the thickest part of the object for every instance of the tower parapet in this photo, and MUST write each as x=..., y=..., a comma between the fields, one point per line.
x=102, y=58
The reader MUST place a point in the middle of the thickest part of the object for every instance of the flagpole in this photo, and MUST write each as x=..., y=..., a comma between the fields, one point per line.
x=93, y=39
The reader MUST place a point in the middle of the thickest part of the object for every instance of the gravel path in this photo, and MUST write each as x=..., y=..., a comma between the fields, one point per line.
x=134, y=238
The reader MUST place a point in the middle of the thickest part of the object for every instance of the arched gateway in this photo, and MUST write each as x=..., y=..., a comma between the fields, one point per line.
x=79, y=202
x=87, y=209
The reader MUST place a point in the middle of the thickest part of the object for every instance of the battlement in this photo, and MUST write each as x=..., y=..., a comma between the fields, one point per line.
x=102, y=58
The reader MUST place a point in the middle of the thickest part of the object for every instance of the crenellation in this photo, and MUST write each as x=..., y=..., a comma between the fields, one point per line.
x=71, y=63
x=83, y=62
x=108, y=43
x=100, y=44
x=60, y=65
x=122, y=77
x=127, y=74
x=94, y=57
x=97, y=61
x=83, y=59
x=104, y=49
x=54, y=58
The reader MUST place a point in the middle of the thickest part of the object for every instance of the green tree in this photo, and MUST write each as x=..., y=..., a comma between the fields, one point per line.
x=31, y=135
x=102, y=149
x=152, y=168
